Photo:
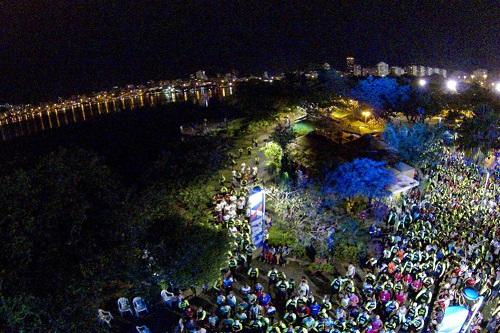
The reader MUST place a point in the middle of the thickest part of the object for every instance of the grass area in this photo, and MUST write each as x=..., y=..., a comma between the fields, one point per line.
x=340, y=114
x=303, y=127
x=360, y=127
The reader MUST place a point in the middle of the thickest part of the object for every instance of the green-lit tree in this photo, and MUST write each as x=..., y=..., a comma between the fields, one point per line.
x=175, y=227
x=273, y=153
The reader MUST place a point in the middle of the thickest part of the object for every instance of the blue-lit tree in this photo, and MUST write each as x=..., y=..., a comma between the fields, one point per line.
x=384, y=95
x=362, y=177
x=418, y=144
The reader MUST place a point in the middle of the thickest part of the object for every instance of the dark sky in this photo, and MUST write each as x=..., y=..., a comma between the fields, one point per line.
x=56, y=48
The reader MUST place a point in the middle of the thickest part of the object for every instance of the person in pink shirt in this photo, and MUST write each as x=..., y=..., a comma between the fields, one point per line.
x=384, y=296
x=407, y=279
x=400, y=298
x=377, y=323
x=416, y=285
x=353, y=300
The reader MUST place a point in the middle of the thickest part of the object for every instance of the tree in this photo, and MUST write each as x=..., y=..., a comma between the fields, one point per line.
x=362, y=177
x=307, y=219
x=481, y=131
x=348, y=245
x=418, y=144
x=273, y=153
x=331, y=83
x=182, y=252
x=64, y=243
x=303, y=215
x=384, y=95
x=421, y=104
x=258, y=99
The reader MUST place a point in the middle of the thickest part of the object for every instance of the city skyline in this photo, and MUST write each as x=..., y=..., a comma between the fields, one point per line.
x=200, y=78
x=94, y=46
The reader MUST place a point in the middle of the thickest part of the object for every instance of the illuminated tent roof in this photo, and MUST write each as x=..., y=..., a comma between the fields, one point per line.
x=403, y=183
x=454, y=319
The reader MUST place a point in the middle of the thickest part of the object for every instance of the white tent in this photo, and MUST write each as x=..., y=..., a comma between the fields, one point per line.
x=454, y=319
x=403, y=183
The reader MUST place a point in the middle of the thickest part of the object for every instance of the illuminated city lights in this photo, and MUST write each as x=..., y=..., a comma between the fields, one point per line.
x=451, y=85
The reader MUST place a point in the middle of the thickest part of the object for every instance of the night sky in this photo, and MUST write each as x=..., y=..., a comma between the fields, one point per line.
x=57, y=48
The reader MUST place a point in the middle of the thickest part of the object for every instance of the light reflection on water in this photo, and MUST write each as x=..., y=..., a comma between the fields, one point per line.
x=16, y=125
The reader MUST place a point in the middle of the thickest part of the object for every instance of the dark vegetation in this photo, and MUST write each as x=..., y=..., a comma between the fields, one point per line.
x=80, y=205
x=115, y=206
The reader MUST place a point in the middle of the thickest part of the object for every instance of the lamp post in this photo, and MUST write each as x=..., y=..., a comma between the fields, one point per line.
x=366, y=114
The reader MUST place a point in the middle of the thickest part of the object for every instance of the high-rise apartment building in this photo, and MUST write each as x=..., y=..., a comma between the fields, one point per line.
x=357, y=70
x=397, y=71
x=200, y=75
x=350, y=65
x=412, y=70
x=382, y=69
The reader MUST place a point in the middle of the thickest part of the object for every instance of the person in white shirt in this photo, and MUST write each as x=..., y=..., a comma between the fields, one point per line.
x=351, y=271
x=303, y=288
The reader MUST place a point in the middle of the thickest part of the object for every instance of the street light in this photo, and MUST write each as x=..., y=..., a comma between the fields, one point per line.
x=497, y=87
x=422, y=82
x=451, y=85
x=366, y=114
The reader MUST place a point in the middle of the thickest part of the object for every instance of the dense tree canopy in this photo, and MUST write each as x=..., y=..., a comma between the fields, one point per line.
x=362, y=177
x=176, y=227
x=420, y=105
x=331, y=83
x=418, y=144
x=257, y=99
x=384, y=95
x=273, y=153
x=64, y=236
x=481, y=131
x=182, y=252
x=72, y=240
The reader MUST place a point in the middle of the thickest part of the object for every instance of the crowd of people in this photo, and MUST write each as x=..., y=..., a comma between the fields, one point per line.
x=437, y=242
x=274, y=255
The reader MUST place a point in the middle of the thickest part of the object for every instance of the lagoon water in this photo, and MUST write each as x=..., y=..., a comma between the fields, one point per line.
x=38, y=119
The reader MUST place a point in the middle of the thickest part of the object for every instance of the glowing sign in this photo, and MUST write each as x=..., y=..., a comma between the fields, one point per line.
x=257, y=205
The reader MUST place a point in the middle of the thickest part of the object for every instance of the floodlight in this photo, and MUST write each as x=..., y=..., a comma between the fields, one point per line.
x=451, y=85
